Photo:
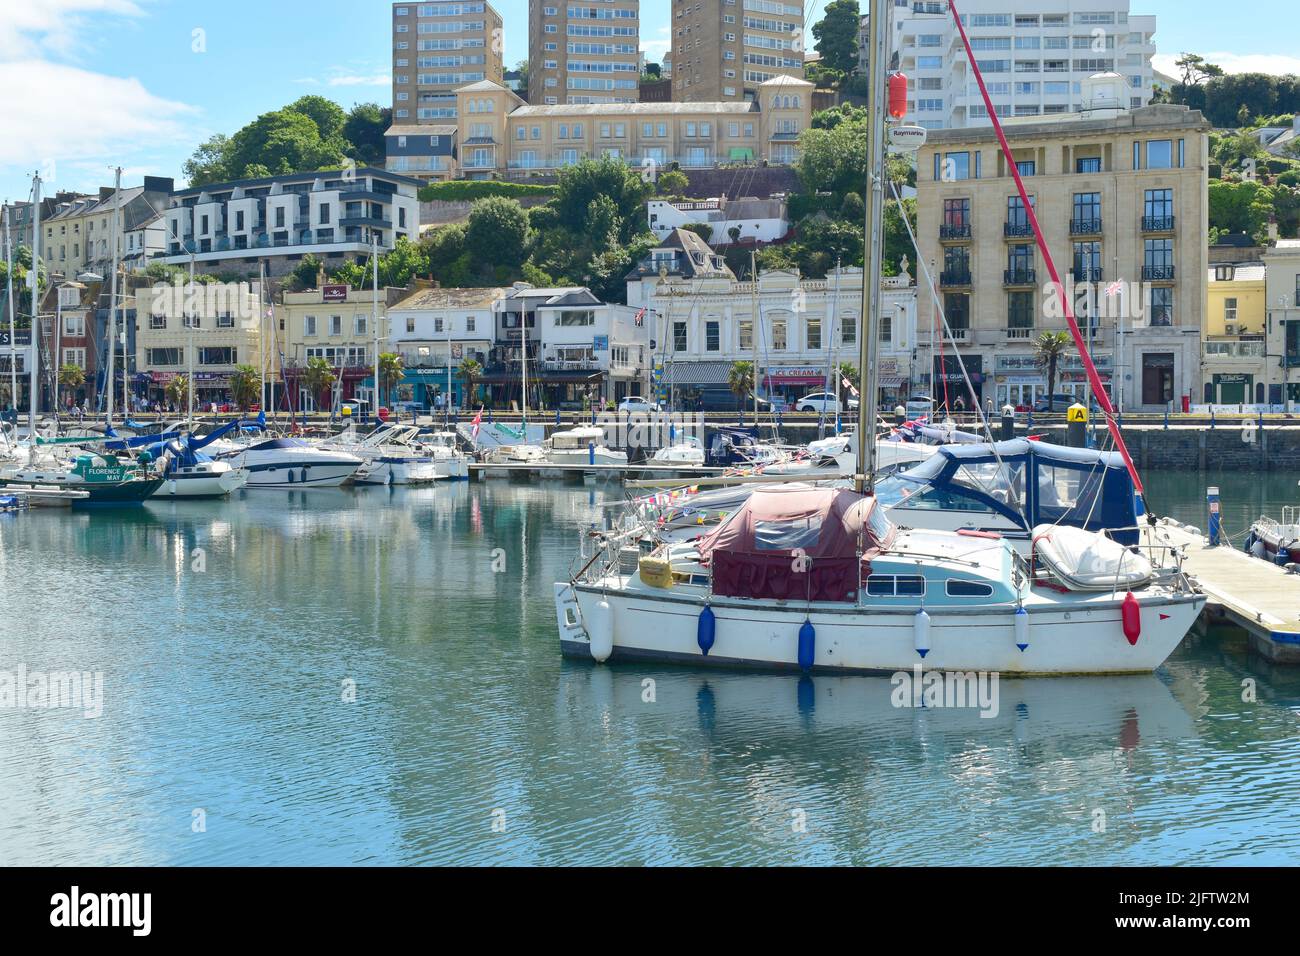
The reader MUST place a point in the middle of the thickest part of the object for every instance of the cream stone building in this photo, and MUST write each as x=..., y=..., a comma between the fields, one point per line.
x=438, y=47
x=209, y=332
x=726, y=50
x=586, y=53
x=1122, y=198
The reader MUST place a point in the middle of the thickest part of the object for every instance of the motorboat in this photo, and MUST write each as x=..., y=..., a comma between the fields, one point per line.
x=819, y=579
x=835, y=457
x=1277, y=542
x=686, y=452
x=449, y=462
x=289, y=462
x=581, y=446
x=389, y=455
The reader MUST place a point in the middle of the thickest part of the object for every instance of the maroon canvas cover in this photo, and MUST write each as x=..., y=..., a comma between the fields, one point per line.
x=792, y=543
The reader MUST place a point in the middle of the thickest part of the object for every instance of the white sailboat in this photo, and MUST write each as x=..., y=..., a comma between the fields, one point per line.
x=820, y=579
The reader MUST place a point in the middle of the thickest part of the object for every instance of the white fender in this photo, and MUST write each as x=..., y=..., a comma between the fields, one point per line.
x=921, y=632
x=1022, y=629
x=600, y=631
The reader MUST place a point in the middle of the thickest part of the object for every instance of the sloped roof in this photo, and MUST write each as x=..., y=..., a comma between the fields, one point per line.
x=458, y=298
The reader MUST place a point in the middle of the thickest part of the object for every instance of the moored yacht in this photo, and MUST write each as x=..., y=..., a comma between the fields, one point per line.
x=581, y=446
x=292, y=463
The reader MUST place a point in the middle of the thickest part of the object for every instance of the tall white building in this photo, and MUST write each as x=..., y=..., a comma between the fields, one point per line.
x=1034, y=55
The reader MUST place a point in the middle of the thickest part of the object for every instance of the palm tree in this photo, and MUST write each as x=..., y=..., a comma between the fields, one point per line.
x=1049, y=349
x=245, y=384
x=72, y=377
x=178, y=391
x=318, y=376
x=740, y=379
x=469, y=371
x=391, y=371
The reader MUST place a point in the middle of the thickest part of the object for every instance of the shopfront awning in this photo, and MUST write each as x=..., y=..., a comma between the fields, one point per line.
x=696, y=373
x=890, y=381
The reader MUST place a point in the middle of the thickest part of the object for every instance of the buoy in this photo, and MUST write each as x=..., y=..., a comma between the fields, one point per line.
x=706, y=631
x=601, y=632
x=1131, y=614
x=807, y=646
x=1022, y=629
x=921, y=632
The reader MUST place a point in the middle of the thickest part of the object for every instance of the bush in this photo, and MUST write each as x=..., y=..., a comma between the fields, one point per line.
x=467, y=190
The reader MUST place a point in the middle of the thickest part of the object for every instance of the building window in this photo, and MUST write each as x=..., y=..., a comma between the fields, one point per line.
x=1160, y=154
x=778, y=335
x=1229, y=310
x=309, y=326
x=745, y=337
x=712, y=337
x=813, y=333
x=679, y=337
x=336, y=325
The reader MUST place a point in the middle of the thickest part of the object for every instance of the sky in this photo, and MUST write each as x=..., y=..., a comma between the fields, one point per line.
x=90, y=84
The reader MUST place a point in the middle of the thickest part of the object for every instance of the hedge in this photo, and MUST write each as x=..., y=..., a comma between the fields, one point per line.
x=467, y=190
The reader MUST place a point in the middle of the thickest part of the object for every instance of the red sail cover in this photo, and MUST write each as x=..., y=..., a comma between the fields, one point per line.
x=794, y=543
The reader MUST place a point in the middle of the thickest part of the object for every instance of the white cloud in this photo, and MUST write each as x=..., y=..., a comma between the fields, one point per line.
x=63, y=114
x=376, y=79
x=655, y=49
x=52, y=26
x=1277, y=64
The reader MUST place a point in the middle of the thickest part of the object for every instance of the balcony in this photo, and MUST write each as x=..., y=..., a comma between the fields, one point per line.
x=1085, y=227
x=1018, y=277
x=1157, y=223
x=1017, y=230
x=950, y=278
x=1157, y=273
x=1020, y=332
x=1088, y=275
x=954, y=231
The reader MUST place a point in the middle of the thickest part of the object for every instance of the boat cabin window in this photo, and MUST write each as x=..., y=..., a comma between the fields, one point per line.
x=957, y=587
x=895, y=585
x=788, y=534
x=942, y=498
x=1064, y=490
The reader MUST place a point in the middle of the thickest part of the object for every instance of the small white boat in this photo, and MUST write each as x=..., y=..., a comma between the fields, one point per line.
x=449, y=462
x=389, y=455
x=44, y=496
x=293, y=463
x=201, y=479
x=582, y=446
x=688, y=452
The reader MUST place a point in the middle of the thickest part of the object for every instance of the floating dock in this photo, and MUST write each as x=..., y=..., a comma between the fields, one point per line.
x=1260, y=597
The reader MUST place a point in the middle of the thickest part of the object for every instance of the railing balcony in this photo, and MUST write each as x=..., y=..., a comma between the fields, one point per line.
x=947, y=231
x=1085, y=227
x=954, y=277
x=1157, y=273
x=1016, y=230
x=1020, y=332
x=1018, y=277
x=1089, y=275
x=1157, y=223
x=959, y=334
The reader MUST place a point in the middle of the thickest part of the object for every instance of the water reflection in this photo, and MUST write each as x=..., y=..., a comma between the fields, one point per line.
x=224, y=691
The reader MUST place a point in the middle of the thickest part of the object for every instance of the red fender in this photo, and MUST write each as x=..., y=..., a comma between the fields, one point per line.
x=1132, y=617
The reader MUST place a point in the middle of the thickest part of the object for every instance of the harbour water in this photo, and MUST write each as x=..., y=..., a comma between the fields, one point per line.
x=231, y=635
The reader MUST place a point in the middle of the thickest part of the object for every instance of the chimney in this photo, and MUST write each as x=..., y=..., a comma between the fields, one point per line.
x=1272, y=230
x=320, y=277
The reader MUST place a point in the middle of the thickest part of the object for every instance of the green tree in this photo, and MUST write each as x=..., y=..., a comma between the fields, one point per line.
x=672, y=183
x=319, y=378
x=391, y=371
x=837, y=36
x=1195, y=69
x=469, y=372
x=326, y=114
x=701, y=229
x=305, y=274
x=497, y=232
x=364, y=132
x=1049, y=348
x=71, y=378
x=178, y=391
x=208, y=164
x=833, y=160
x=584, y=181
x=740, y=379
x=283, y=141
x=245, y=386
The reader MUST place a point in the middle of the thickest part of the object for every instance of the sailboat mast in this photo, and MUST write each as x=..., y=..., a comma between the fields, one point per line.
x=877, y=61
x=34, y=277
x=112, y=308
x=9, y=298
x=753, y=325
x=374, y=314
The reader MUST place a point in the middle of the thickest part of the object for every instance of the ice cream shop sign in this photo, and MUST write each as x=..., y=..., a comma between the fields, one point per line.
x=779, y=376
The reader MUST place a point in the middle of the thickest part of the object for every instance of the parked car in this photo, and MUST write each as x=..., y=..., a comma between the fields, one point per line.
x=1061, y=402
x=824, y=402
x=637, y=403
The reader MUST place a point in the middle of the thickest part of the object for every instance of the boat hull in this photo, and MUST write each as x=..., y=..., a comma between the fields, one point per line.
x=1087, y=638
x=205, y=485
x=296, y=475
x=405, y=471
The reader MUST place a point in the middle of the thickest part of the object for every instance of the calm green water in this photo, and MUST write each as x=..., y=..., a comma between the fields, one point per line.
x=224, y=687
